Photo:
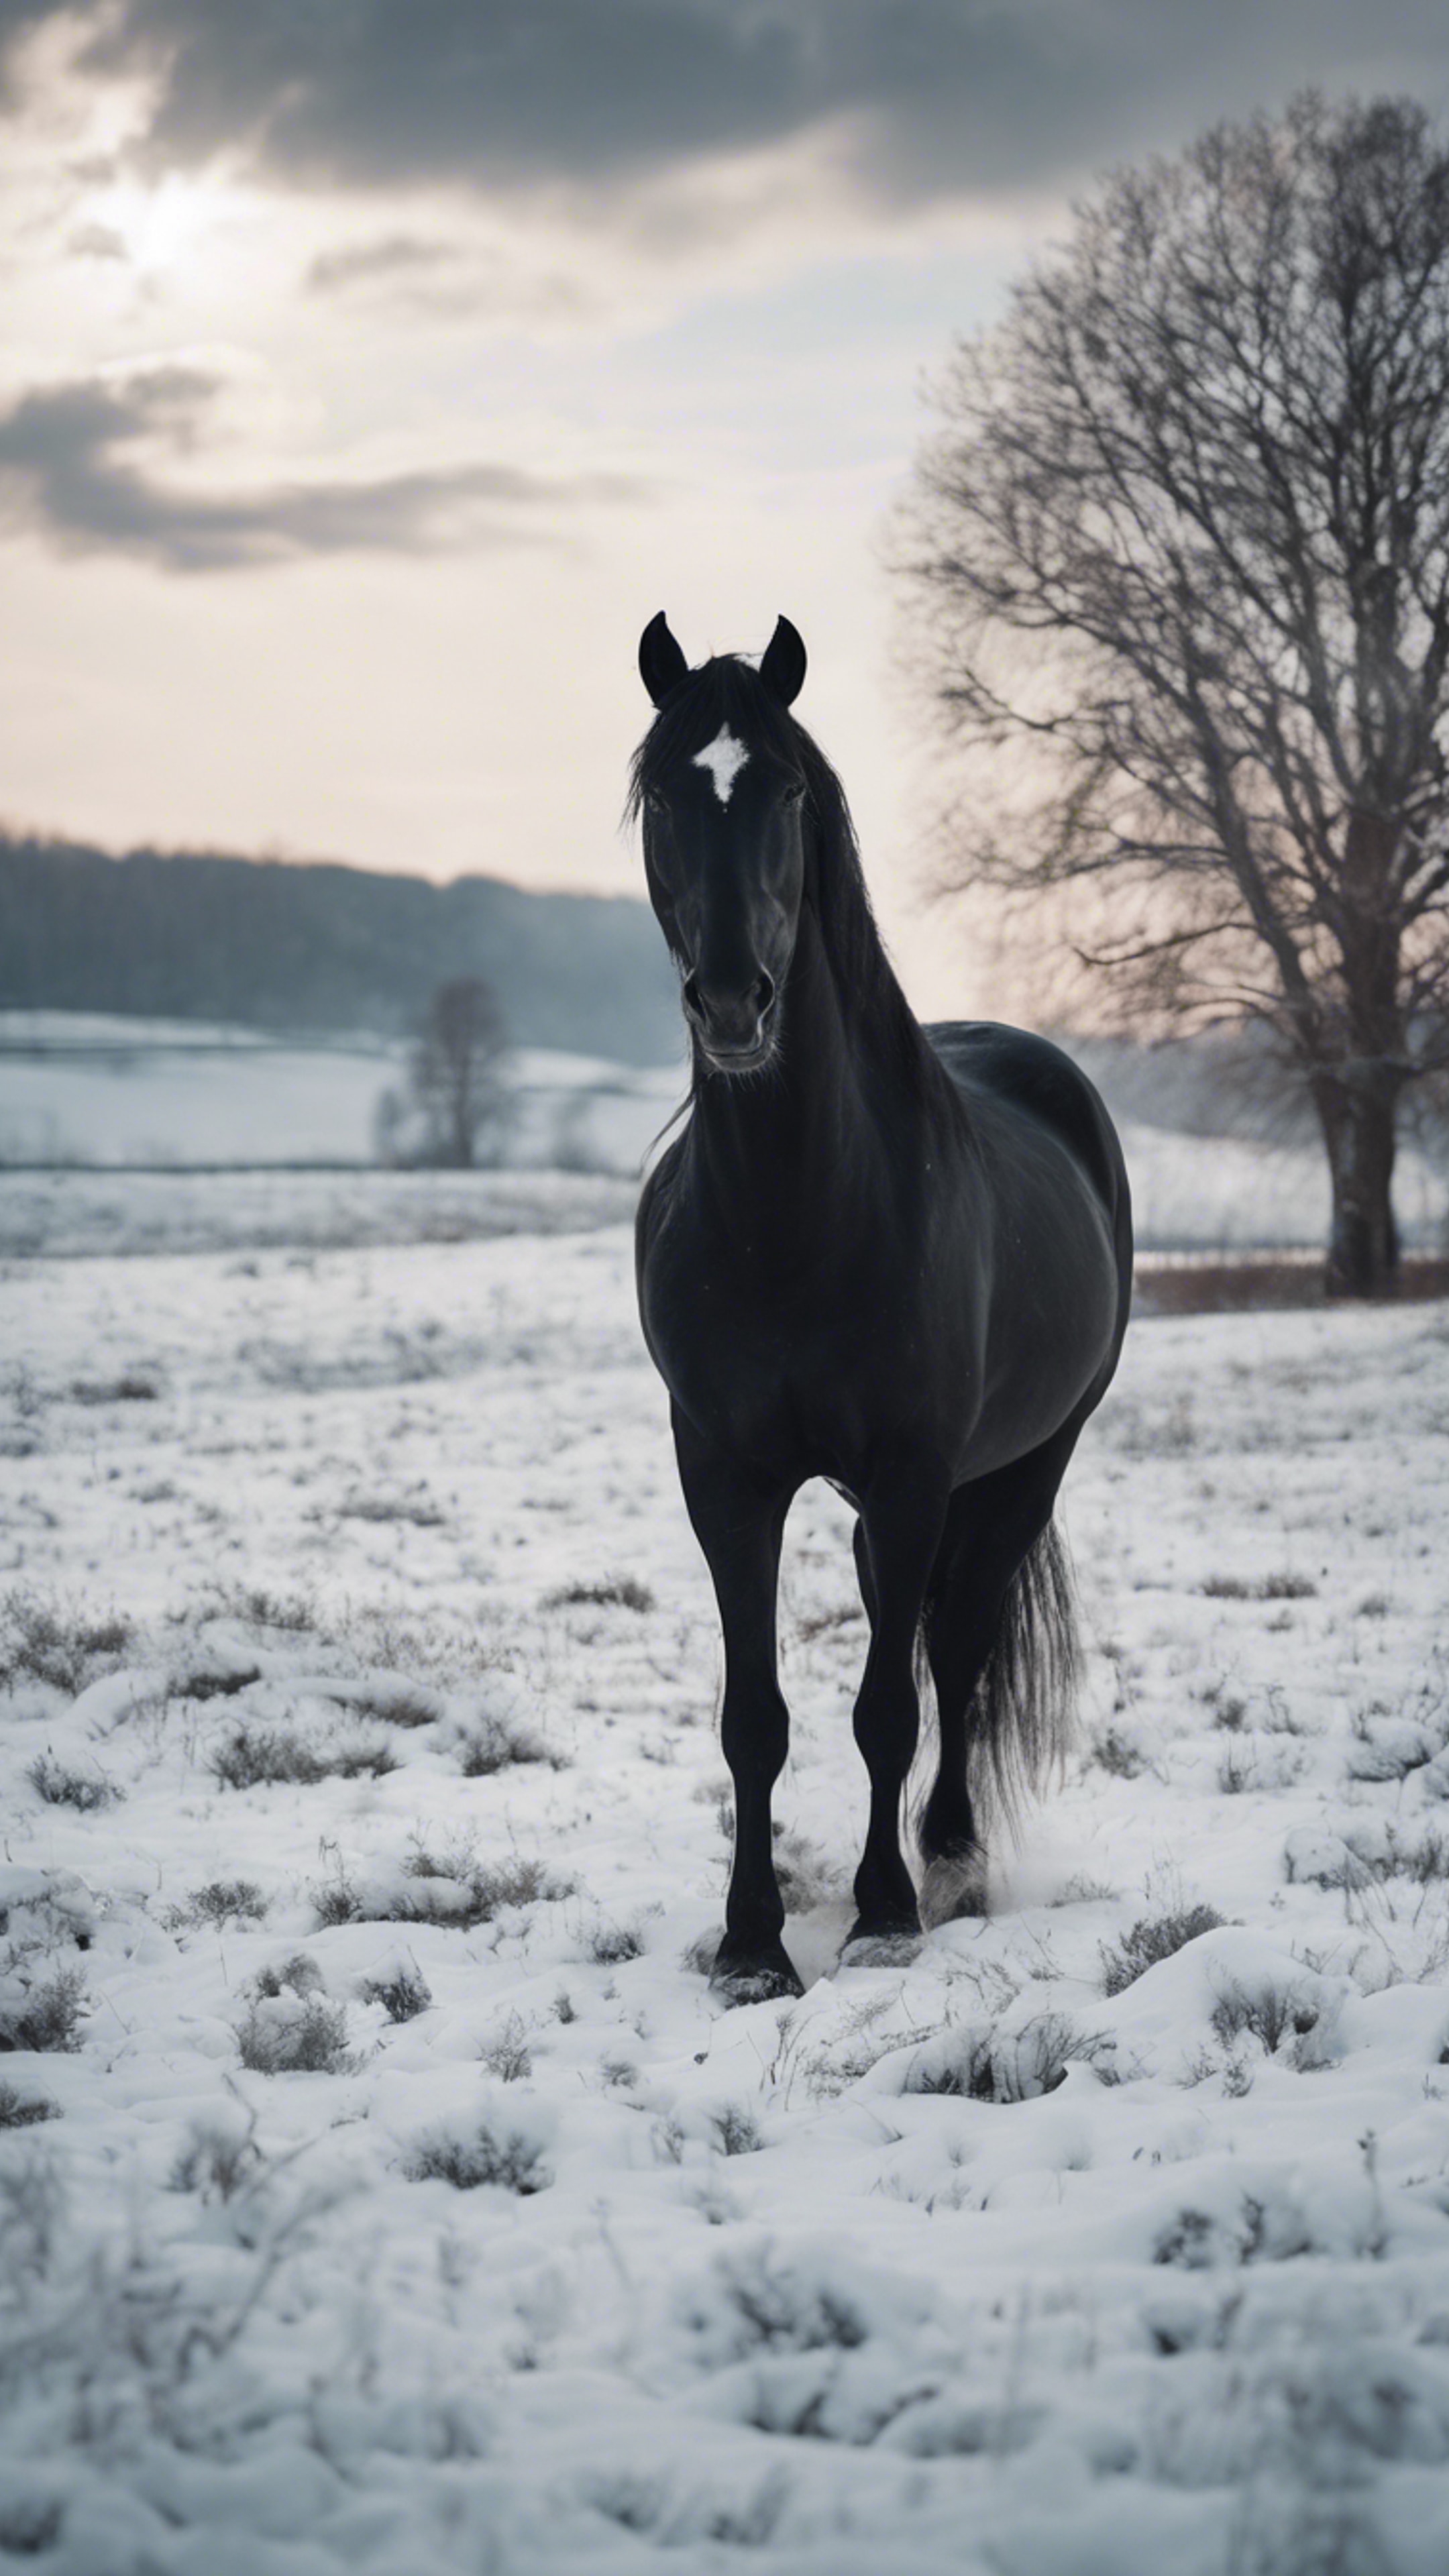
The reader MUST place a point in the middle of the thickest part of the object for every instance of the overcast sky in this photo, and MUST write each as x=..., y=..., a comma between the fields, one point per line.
x=373, y=369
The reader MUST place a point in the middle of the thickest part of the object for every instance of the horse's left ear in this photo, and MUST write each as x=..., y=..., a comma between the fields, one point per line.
x=661, y=663
x=783, y=666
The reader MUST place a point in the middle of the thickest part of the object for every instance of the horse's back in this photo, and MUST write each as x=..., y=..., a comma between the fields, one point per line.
x=992, y=1065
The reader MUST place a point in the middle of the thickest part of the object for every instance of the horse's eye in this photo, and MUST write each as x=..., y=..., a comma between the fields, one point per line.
x=795, y=795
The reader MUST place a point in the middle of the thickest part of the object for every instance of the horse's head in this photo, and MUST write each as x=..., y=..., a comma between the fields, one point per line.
x=721, y=784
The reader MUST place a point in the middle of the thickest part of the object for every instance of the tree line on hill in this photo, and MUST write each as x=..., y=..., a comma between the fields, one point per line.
x=324, y=948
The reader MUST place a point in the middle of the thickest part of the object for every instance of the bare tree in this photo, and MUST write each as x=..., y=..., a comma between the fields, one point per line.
x=1186, y=532
x=455, y=1109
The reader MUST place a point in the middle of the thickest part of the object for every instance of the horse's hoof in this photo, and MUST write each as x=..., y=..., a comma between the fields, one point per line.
x=754, y=1981
x=954, y=1886
x=880, y=1949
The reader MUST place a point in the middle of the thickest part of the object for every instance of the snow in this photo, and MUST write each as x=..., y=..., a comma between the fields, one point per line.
x=724, y=758
x=82, y=1088
x=1003, y=2259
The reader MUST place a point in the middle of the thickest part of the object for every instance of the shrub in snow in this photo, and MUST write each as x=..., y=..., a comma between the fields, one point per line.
x=619, y=1592
x=222, y=1900
x=609, y=1944
x=1158, y=1937
x=220, y=2158
x=290, y=2027
x=737, y=2130
x=814, y=2299
x=1115, y=1752
x=507, y=2159
x=23, y=2110
x=401, y=1989
x=1325, y=1860
x=507, y=2054
x=399, y=1705
x=1389, y=1748
x=256, y=1757
x=211, y=1684
x=37, y=1644
x=87, y=1791
x=40, y=2010
x=297, y=1975
x=290, y=2034
x=496, y=1744
x=1270, y=1587
x=1272, y=2013
x=989, y=2064
x=455, y=1890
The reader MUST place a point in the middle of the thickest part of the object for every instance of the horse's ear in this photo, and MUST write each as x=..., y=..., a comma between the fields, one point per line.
x=661, y=663
x=783, y=667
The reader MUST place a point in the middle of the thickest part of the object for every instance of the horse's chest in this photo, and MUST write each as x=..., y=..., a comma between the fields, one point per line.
x=801, y=1365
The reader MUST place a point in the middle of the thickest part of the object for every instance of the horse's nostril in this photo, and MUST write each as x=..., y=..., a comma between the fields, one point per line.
x=764, y=992
x=691, y=993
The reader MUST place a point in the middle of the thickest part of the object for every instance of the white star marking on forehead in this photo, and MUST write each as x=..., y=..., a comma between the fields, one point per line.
x=724, y=758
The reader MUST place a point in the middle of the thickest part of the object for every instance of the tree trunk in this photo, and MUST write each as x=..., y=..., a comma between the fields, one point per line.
x=1359, y=1123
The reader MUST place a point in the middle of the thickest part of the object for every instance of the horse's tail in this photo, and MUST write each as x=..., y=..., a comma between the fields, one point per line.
x=1018, y=1718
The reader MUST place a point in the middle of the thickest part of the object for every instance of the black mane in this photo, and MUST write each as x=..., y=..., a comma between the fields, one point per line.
x=728, y=691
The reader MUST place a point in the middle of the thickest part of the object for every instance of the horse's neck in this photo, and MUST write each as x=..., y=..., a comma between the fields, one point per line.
x=787, y=1143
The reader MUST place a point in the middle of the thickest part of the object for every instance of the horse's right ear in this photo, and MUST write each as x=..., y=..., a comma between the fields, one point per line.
x=661, y=663
x=782, y=667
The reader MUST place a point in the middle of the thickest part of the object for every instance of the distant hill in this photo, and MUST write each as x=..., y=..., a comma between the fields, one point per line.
x=266, y=944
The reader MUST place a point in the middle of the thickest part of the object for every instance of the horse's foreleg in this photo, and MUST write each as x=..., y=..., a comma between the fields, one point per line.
x=739, y=1524
x=901, y=1518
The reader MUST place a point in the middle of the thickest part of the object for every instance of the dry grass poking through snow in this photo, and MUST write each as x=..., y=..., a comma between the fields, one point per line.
x=379, y=2186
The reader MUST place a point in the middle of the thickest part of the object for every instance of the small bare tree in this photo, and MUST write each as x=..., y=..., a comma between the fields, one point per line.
x=1186, y=532
x=454, y=1112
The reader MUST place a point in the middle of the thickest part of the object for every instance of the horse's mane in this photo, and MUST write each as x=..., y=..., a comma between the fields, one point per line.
x=728, y=691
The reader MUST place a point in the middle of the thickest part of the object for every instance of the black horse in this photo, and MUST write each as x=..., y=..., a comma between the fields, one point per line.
x=895, y=1257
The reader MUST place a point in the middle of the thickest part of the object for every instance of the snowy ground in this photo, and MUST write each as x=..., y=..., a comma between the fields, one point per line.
x=380, y=2188
x=96, y=1090
x=103, y=1092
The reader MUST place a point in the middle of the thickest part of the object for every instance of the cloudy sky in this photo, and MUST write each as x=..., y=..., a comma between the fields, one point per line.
x=373, y=369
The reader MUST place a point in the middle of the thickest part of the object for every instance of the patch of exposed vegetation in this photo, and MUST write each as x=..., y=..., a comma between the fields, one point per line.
x=1269, y=1587
x=222, y=1900
x=1271, y=2013
x=24, y=2110
x=736, y=2130
x=508, y=2054
x=255, y=1757
x=454, y=1890
x=290, y=2027
x=610, y=1944
x=212, y=1685
x=89, y=1792
x=46, y=2014
x=616, y=1592
x=1155, y=1938
x=403, y=1991
x=1116, y=1753
x=37, y=1643
x=984, y=2065
x=133, y=1386
x=507, y=2160
x=496, y=1744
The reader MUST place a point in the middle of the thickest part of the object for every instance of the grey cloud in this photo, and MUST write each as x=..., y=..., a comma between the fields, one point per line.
x=943, y=93
x=96, y=241
x=65, y=474
x=361, y=262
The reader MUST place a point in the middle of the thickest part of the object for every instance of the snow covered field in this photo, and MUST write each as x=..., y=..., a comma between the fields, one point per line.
x=103, y=1093
x=89, y=1089
x=379, y=2187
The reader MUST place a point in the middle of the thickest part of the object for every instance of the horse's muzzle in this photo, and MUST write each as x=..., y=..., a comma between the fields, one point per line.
x=736, y=1029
